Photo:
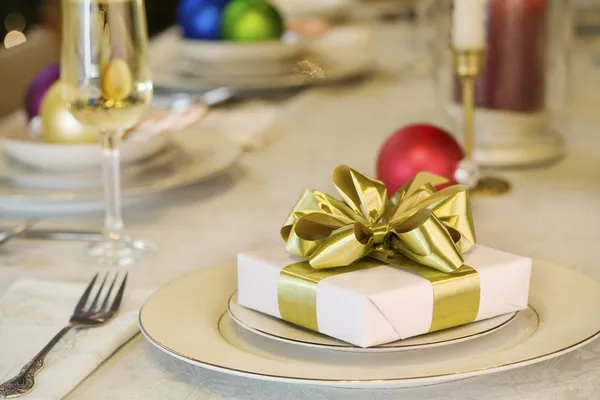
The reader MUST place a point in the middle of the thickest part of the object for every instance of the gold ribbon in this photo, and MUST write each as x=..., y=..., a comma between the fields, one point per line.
x=419, y=228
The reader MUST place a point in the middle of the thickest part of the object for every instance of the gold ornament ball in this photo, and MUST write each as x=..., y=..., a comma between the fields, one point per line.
x=115, y=80
x=58, y=124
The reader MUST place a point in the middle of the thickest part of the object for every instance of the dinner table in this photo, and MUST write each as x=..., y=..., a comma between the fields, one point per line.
x=552, y=213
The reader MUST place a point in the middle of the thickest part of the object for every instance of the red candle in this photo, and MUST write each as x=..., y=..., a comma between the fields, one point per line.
x=514, y=77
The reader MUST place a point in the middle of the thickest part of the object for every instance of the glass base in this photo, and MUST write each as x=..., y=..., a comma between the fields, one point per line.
x=119, y=253
x=490, y=187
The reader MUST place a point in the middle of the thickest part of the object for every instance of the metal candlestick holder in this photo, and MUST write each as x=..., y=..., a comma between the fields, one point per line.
x=467, y=65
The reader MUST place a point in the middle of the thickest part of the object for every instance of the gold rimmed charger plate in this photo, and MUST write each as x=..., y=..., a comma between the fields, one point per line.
x=188, y=320
x=276, y=329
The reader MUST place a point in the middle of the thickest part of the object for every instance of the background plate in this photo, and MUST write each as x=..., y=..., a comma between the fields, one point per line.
x=206, y=155
x=18, y=143
x=22, y=175
x=341, y=54
x=170, y=80
x=224, y=52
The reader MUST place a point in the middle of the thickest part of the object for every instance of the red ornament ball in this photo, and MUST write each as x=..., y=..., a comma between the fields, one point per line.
x=416, y=148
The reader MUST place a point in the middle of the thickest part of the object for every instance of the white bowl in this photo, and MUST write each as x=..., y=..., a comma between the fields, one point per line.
x=245, y=69
x=328, y=9
x=19, y=141
x=345, y=44
x=290, y=46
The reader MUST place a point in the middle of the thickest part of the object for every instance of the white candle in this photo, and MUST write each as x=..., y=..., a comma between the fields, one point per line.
x=468, y=24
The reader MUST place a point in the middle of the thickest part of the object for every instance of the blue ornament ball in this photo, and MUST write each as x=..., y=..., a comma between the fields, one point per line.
x=201, y=19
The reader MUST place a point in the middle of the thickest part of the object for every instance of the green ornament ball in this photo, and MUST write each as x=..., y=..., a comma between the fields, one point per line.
x=251, y=20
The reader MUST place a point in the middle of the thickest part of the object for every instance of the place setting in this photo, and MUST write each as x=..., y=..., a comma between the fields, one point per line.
x=51, y=163
x=290, y=46
x=383, y=285
x=371, y=292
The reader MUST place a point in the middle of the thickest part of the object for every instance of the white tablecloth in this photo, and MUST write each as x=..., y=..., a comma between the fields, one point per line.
x=552, y=213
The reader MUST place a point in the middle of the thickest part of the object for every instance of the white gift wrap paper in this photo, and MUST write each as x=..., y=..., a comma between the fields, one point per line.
x=385, y=303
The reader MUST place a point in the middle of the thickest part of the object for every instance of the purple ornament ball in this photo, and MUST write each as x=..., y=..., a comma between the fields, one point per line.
x=38, y=87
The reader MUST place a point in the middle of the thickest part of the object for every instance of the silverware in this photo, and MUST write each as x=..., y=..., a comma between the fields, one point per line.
x=66, y=235
x=99, y=312
x=26, y=231
x=215, y=97
x=18, y=230
x=181, y=101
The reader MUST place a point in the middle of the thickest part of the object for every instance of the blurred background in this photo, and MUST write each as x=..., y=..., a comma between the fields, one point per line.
x=26, y=45
x=28, y=42
x=20, y=16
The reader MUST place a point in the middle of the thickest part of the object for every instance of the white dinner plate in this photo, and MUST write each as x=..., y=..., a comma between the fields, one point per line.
x=173, y=81
x=187, y=319
x=22, y=175
x=235, y=70
x=19, y=141
x=202, y=155
x=276, y=329
x=223, y=51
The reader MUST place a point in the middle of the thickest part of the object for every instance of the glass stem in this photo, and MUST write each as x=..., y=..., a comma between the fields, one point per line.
x=111, y=171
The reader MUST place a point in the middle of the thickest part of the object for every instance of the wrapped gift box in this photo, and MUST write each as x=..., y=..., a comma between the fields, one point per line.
x=383, y=303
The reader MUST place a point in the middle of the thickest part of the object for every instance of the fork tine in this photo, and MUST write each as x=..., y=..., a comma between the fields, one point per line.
x=104, y=306
x=92, y=306
x=84, y=297
x=117, y=302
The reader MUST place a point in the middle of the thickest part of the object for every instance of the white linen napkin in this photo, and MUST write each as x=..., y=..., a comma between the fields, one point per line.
x=32, y=312
x=252, y=125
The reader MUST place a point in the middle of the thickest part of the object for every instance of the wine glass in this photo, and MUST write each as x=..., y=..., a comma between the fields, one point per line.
x=415, y=34
x=106, y=84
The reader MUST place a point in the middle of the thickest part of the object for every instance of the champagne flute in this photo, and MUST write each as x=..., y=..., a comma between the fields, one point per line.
x=106, y=84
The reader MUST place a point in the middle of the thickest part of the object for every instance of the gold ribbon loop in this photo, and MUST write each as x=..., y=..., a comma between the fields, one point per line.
x=429, y=243
x=363, y=194
x=430, y=227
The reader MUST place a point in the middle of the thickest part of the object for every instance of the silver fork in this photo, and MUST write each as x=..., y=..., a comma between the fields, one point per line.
x=16, y=231
x=85, y=316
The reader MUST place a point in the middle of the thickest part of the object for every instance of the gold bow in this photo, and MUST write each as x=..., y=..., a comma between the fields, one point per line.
x=433, y=228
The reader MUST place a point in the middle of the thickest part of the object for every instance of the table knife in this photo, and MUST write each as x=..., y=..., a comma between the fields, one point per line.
x=64, y=235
